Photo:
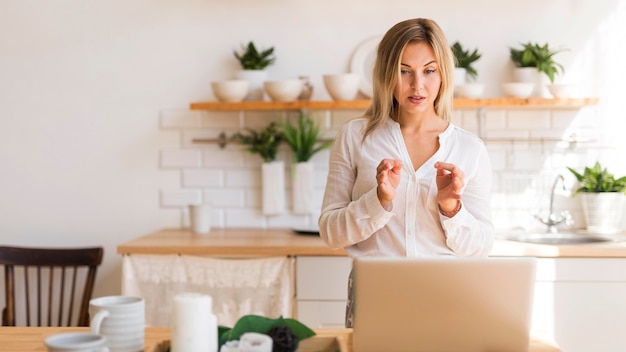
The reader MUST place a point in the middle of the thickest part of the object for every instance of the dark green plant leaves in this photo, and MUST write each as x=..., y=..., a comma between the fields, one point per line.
x=465, y=58
x=597, y=179
x=303, y=138
x=253, y=59
x=262, y=325
x=539, y=56
x=264, y=143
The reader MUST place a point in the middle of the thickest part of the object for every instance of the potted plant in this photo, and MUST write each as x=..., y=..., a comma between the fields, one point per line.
x=304, y=141
x=537, y=56
x=602, y=198
x=535, y=64
x=253, y=63
x=463, y=60
x=265, y=143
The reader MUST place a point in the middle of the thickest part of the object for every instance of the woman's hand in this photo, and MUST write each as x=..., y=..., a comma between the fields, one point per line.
x=449, y=185
x=387, y=178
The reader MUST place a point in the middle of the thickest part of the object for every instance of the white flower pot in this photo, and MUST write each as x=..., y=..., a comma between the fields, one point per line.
x=273, y=187
x=460, y=77
x=531, y=75
x=603, y=211
x=256, y=79
x=302, y=190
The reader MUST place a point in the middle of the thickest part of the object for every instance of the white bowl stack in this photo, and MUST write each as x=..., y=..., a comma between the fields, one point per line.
x=284, y=90
x=231, y=91
x=342, y=86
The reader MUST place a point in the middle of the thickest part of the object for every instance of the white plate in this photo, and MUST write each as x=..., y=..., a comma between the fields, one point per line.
x=362, y=63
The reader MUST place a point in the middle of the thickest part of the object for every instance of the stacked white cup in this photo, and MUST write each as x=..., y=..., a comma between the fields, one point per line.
x=121, y=320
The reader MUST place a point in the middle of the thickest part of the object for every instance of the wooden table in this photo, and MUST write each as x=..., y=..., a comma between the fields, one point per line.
x=23, y=339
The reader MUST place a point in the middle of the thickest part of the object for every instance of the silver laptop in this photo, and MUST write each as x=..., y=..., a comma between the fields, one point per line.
x=443, y=304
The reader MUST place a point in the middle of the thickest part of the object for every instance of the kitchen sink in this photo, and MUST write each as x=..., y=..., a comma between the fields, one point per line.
x=556, y=238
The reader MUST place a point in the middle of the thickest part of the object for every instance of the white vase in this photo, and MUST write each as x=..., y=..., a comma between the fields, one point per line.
x=603, y=211
x=531, y=75
x=302, y=190
x=256, y=79
x=460, y=77
x=273, y=187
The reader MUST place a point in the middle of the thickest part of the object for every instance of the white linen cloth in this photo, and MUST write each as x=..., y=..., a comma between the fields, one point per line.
x=412, y=226
x=262, y=286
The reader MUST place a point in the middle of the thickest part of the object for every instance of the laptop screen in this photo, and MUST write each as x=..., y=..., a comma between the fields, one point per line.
x=443, y=304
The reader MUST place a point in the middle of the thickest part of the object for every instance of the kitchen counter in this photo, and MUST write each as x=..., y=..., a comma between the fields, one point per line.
x=284, y=242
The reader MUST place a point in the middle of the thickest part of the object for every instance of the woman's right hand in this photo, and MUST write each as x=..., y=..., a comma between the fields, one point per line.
x=387, y=178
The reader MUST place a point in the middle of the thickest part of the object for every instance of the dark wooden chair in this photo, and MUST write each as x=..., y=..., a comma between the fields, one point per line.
x=51, y=281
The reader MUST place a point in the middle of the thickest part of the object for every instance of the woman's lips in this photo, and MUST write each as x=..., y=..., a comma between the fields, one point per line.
x=416, y=99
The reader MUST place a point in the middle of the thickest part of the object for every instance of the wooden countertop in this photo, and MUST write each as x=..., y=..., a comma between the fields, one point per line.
x=284, y=242
x=30, y=339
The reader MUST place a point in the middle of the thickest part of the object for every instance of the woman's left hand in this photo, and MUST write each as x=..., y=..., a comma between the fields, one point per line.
x=449, y=186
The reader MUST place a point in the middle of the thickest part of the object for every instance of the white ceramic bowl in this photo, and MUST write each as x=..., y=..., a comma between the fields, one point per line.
x=230, y=90
x=283, y=90
x=470, y=90
x=561, y=90
x=518, y=89
x=343, y=86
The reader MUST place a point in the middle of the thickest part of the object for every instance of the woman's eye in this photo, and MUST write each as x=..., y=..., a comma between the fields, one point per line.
x=405, y=72
x=430, y=70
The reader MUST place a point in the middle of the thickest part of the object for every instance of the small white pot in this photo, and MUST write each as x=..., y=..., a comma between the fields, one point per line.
x=603, y=211
x=273, y=191
x=256, y=79
x=531, y=75
x=302, y=190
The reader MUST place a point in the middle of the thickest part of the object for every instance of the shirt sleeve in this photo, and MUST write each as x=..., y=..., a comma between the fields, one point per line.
x=470, y=232
x=345, y=221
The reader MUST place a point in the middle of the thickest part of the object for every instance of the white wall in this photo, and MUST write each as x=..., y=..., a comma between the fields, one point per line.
x=83, y=82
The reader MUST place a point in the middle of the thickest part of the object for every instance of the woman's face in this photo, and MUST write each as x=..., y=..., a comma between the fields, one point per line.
x=420, y=79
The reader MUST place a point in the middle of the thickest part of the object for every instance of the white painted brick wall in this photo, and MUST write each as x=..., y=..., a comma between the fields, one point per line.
x=523, y=144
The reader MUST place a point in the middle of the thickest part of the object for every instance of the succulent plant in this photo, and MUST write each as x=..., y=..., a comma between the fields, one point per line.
x=252, y=59
x=465, y=58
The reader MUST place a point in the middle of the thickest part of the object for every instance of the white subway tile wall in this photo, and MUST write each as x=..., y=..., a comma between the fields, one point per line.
x=528, y=147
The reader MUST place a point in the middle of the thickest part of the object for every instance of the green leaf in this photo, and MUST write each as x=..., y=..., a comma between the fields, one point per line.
x=539, y=56
x=304, y=138
x=262, y=325
x=465, y=58
x=597, y=179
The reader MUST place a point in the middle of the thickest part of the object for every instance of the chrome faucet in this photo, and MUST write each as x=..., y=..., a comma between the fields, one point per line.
x=553, y=219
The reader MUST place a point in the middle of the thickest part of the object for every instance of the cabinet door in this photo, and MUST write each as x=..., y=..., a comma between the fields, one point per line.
x=322, y=314
x=322, y=278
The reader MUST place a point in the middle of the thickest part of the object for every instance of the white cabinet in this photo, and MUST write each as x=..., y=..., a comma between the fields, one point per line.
x=321, y=290
x=581, y=302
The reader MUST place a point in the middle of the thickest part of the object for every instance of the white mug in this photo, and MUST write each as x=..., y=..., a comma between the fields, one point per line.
x=121, y=320
x=76, y=342
x=200, y=216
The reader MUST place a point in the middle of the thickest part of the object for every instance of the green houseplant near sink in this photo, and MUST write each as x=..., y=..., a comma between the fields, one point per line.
x=603, y=198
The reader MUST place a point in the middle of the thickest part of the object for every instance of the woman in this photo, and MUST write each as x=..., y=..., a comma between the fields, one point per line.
x=403, y=180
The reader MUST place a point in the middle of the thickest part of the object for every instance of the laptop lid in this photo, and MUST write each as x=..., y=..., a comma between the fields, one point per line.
x=443, y=304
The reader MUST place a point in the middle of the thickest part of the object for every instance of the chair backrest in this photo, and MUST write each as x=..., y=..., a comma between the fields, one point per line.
x=58, y=278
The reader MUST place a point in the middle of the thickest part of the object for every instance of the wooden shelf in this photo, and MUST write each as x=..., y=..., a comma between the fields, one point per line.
x=461, y=103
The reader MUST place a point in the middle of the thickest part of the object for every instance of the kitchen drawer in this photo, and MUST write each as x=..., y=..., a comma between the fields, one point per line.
x=322, y=314
x=322, y=277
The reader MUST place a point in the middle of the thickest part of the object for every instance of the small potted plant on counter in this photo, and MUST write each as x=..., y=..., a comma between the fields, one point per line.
x=265, y=143
x=253, y=63
x=602, y=198
x=304, y=141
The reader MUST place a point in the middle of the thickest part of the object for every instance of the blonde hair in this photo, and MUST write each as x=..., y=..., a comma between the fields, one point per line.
x=387, y=69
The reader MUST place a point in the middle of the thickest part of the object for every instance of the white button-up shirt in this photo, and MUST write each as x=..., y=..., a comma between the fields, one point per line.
x=412, y=226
